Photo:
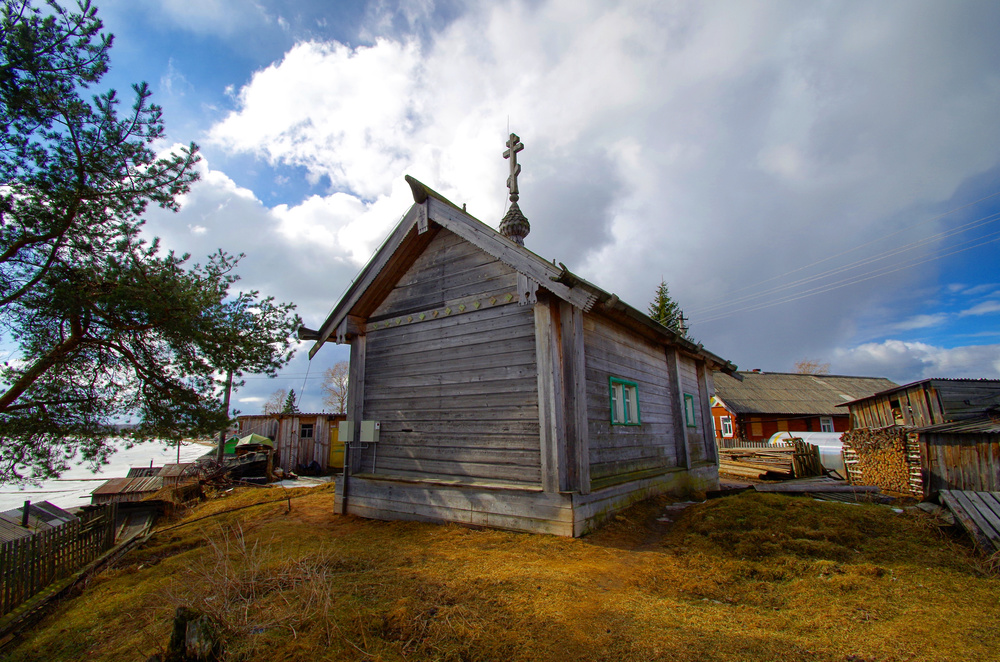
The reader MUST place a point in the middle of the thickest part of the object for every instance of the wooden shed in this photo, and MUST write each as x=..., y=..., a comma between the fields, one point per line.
x=490, y=386
x=927, y=436
x=299, y=439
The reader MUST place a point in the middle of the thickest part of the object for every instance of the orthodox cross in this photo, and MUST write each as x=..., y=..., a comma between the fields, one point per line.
x=514, y=145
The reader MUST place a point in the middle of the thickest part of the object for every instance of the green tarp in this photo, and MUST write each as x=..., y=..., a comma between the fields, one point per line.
x=255, y=440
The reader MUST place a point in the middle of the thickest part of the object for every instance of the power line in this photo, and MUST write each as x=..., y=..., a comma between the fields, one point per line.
x=977, y=223
x=856, y=248
x=853, y=280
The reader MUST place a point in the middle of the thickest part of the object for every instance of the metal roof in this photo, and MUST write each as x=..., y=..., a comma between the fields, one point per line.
x=793, y=393
x=126, y=485
x=42, y=516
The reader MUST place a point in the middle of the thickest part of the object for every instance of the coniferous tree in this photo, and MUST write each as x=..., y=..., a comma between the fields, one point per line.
x=667, y=312
x=290, y=406
x=104, y=327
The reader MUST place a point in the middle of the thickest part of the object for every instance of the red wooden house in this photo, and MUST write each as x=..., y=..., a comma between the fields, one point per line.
x=766, y=403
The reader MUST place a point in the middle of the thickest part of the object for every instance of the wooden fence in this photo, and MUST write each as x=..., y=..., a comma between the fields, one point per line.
x=29, y=564
x=743, y=443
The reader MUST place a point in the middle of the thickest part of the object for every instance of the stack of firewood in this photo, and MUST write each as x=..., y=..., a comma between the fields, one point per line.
x=878, y=457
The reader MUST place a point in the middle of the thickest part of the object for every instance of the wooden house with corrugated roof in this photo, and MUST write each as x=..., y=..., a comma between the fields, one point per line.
x=762, y=404
x=491, y=387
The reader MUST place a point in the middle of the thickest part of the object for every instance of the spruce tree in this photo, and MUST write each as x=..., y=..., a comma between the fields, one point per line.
x=290, y=406
x=667, y=312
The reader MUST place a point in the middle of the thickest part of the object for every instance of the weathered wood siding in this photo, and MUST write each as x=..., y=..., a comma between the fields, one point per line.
x=455, y=393
x=622, y=451
x=285, y=429
x=265, y=426
x=953, y=461
x=700, y=435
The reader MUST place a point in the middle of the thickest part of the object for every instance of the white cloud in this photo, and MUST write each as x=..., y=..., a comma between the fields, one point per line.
x=713, y=144
x=921, y=322
x=984, y=308
x=910, y=361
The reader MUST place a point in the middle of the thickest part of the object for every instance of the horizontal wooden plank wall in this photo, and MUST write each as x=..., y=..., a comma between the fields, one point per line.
x=960, y=462
x=456, y=394
x=620, y=450
x=516, y=509
x=965, y=399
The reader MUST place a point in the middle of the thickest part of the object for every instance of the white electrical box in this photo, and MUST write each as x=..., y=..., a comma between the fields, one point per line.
x=345, y=432
x=369, y=431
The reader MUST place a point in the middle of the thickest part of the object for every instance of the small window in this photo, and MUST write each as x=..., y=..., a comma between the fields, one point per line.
x=826, y=424
x=306, y=431
x=727, y=426
x=624, y=402
x=689, y=411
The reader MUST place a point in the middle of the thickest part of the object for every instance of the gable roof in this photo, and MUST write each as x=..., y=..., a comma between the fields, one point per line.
x=430, y=211
x=793, y=393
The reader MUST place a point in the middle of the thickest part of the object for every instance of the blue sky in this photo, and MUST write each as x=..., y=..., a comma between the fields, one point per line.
x=813, y=180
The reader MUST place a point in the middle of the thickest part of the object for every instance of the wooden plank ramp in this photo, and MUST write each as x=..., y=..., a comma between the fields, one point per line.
x=979, y=514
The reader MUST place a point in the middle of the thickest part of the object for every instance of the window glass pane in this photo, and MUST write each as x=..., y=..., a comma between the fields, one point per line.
x=627, y=402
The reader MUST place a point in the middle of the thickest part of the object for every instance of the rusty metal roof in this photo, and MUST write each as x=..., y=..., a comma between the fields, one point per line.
x=793, y=393
x=175, y=470
x=126, y=485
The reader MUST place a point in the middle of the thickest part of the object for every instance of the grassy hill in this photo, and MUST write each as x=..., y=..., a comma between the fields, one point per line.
x=750, y=577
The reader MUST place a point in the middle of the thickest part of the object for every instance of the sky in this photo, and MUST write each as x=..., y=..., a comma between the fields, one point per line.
x=813, y=180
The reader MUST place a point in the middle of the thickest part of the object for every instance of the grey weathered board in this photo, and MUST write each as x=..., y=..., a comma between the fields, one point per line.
x=456, y=394
x=979, y=514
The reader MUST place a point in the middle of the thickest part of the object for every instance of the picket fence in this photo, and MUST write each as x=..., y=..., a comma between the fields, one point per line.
x=28, y=565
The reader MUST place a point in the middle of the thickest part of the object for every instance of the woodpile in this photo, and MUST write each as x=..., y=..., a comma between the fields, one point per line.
x=773, y=463
x=882, y=457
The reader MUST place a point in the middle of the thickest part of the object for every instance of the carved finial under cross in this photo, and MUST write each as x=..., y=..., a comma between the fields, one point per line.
x=514, y=145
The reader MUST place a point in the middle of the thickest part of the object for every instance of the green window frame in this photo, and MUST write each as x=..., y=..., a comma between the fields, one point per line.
x=689, y=411
x=624, y=401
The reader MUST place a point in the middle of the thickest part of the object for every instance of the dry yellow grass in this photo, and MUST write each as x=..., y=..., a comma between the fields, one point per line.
x=752, y=577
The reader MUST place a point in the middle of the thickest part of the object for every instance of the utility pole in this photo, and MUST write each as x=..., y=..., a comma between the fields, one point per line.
x=221, y=452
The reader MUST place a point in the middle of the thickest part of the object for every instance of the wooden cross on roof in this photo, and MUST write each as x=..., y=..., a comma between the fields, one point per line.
x=514, y=145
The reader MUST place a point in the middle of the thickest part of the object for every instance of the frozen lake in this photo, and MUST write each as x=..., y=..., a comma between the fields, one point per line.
x=73, y=488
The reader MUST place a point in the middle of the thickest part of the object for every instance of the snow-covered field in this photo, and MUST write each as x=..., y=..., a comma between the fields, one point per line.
x=73, y=488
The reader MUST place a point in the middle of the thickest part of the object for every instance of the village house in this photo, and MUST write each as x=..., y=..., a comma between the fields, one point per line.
x=490, y=386
x=762, y=404
x=300, y=439
x=927, y=436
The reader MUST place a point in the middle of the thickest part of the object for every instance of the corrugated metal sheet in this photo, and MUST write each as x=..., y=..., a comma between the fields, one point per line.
x=139, y=472
x=129, y=486
x=42, y=516
x=176, y=470
x=792, y=393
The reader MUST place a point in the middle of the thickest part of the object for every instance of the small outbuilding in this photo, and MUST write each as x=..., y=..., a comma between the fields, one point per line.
x=299, y=439
x=491, y=386
x=927, y=436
